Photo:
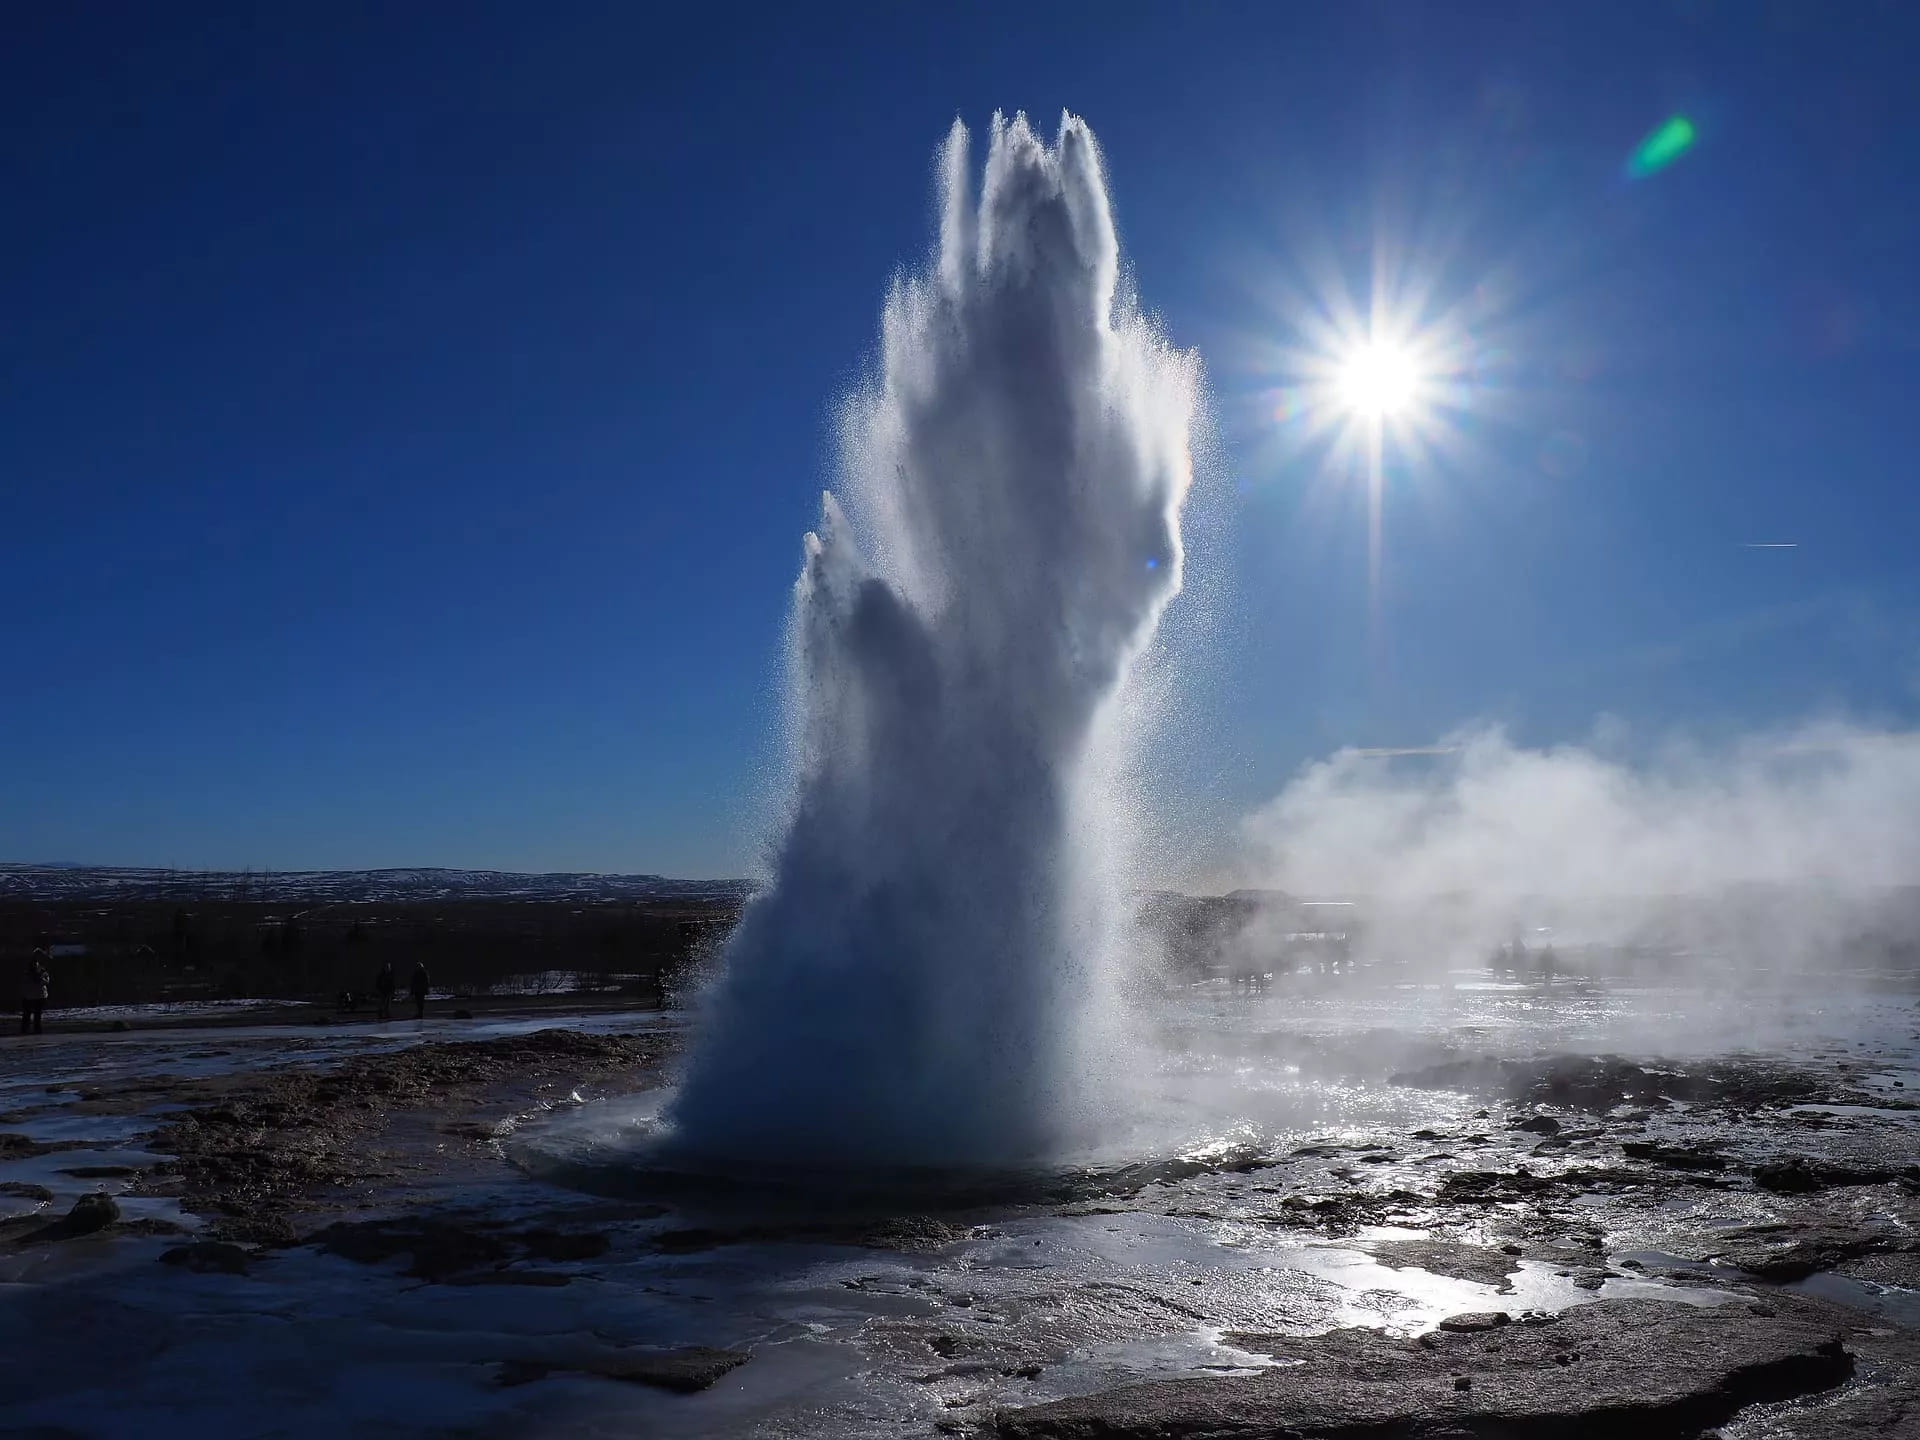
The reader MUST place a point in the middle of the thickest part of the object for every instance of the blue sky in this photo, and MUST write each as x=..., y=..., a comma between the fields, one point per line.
x=409, y=415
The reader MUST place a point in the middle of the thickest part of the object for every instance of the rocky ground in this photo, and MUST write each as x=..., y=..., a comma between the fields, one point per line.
x=1785, y=1192
x=264, y=1156
x=1619, y=1367
x=1742, y=1175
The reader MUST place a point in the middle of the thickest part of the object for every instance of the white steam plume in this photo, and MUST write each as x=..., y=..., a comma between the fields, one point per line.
x=1771, y=850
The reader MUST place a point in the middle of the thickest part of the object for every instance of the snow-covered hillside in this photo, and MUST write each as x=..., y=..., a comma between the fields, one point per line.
x=88, y=882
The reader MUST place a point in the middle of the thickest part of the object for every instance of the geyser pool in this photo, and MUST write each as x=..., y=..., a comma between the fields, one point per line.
x=927, y=976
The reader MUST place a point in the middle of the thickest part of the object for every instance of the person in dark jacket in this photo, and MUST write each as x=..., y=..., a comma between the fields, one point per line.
x=384, y=984
x=33, y=993
x=419, y=985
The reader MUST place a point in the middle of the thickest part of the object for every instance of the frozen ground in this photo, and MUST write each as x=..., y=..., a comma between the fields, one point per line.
x=508, y=1249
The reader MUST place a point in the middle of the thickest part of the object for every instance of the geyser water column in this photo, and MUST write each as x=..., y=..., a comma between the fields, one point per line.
x=925, y=979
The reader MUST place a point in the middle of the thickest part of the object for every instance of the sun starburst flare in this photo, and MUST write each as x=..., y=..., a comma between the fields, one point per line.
x=1378, y=380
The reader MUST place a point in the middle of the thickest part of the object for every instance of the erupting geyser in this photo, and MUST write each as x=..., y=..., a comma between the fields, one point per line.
x=925, y=980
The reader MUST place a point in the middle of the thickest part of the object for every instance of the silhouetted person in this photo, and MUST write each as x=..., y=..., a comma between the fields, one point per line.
x=33, y=993
x=384, y=984
x=419, y=985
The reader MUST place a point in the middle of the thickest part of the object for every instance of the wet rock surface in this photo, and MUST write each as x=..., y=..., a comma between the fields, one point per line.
x=260, y=1151
x=442, y=1248
x=1479, y=1263
x=1597, y=1084
x=684, y=1370
x=1787, y=1250
x=1633, y=1366
x=25, y=1147
x=1678, y=1157
x=209, y=1257
x=908, y=1233
x=91, y=1216
x=1900, y=1268
x=1801, y=1175
x=90, y=1213
x=1475, y=1321
x=992, y=1302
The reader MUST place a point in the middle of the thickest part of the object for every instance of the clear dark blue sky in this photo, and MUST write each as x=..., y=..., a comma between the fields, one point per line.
x=409, y=413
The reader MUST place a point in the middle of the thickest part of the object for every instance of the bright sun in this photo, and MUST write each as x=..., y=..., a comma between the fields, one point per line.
x=1378, y=381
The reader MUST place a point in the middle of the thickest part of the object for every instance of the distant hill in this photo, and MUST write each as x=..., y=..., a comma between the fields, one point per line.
x=114, y=882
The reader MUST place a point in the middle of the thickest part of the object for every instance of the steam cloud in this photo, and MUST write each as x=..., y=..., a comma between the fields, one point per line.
x=923, y=979
x=1771, y=851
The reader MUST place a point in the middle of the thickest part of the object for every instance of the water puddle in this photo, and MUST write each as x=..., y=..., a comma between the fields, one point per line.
x=1890, y=1302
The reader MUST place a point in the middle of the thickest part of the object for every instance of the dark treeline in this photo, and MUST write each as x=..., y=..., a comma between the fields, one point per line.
x=141, y=951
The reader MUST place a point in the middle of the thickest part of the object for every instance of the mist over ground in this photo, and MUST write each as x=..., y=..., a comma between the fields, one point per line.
x=1784, y=853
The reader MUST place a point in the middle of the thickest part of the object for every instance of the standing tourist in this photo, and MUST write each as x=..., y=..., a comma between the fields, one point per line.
x=33, y=993
x=384, y=984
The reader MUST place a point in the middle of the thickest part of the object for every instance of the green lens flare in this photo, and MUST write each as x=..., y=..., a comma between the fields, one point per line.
x=1669, y=141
